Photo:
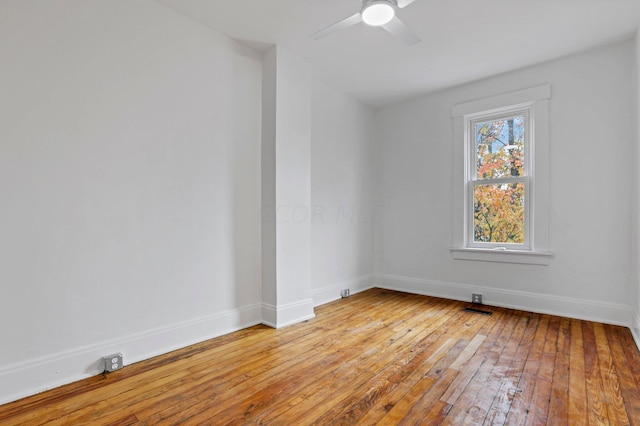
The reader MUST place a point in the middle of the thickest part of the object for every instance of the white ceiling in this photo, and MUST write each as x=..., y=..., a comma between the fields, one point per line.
x=462, y=40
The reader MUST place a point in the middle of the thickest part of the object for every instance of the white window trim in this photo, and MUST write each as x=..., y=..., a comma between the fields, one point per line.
x=537, y=99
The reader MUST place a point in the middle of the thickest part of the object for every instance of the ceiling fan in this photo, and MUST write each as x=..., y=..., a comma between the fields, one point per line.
x=377, y=13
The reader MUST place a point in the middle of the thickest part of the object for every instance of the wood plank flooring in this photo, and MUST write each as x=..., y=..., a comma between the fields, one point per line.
x=378, y=357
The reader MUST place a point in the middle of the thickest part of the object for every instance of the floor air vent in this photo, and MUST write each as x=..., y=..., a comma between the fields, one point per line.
x=478, y=311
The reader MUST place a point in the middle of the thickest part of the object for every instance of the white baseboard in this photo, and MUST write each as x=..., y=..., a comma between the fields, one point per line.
x=37, y=375
x=269, y=315
x=287, y=314
x=333, y=292
x=609, y=313
x=635, y=328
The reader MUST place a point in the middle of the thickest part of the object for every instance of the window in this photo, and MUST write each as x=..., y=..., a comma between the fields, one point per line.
x=498, y=179
x=501, y=178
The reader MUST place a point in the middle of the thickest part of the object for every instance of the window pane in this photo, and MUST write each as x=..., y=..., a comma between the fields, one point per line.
x=500, y=148
x=498, y=213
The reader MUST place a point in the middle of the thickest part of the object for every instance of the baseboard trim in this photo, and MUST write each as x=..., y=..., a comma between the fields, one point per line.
x=332, y=292
x=635, y=329
x=609, y=313
x=269, y=315
x=37, y=375
x=287, y=314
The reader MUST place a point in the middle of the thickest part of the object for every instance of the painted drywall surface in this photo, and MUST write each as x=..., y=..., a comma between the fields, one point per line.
x=268, y=184
x=342, y=206
x=293, y=177
x=635, y=252
x=286, y=188
x=590, y=174
x=130, y=184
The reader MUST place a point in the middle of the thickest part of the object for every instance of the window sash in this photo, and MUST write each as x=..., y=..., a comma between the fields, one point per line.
x=470, y=225
x=472, y=179
x=474, y=119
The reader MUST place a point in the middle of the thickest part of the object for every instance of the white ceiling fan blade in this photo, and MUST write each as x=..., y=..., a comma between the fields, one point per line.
x=345, y=23
x=404, y=3
x=400, y=30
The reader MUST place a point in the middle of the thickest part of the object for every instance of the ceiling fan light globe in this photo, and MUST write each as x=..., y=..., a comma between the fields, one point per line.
x=378, y=13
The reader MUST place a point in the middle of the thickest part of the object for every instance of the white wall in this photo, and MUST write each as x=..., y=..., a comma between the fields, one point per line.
x=130, y=188
x=635, y=252
x=342, y=193
x=286, y=188
x=590, y=176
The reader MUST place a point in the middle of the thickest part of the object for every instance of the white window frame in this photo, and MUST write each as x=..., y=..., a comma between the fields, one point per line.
x=535, y=103
x=471, y=180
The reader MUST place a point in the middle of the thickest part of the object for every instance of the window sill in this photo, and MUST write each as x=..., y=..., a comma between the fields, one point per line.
x=504, y=256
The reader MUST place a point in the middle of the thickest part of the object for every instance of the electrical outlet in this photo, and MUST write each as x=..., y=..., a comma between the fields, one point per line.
x=345, y=293
x=112, y=362
x=476, y=298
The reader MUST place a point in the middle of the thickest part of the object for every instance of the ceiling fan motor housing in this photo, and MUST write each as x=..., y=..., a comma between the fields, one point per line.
x=378, y=12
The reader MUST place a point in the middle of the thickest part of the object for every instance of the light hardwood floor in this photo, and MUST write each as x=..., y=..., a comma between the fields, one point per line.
x=378, y=357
